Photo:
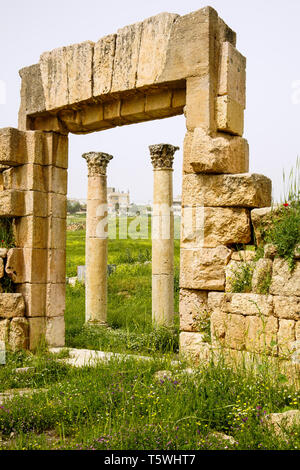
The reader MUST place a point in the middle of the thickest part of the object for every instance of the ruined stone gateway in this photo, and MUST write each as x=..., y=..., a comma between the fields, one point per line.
x=164, y=66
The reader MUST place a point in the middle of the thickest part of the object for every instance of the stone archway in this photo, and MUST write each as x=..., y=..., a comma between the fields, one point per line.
x=164, y=66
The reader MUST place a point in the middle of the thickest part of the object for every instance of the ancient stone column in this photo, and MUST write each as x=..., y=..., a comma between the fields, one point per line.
x=162, y=156
x=96, y=238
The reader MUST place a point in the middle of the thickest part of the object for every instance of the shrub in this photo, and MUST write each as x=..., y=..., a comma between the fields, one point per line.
x=242, y=278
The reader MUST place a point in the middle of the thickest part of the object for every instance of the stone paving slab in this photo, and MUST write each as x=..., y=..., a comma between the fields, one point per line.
x=19, y=392
x=89, y=357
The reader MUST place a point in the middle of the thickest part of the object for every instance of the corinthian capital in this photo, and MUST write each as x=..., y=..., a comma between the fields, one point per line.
x=97, y=162
x=162, y=156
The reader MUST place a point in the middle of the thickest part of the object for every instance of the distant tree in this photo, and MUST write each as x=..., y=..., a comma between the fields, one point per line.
x=73, y=206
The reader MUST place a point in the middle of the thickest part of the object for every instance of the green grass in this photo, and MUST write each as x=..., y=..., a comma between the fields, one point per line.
x=120, y=405
x=129, y=300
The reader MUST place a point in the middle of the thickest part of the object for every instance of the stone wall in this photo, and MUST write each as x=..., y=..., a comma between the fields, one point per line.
x=14, y=328
x=33, y=187
x=263, y=320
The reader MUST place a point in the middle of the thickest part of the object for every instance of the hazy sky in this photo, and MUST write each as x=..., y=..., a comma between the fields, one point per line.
x=268, y=34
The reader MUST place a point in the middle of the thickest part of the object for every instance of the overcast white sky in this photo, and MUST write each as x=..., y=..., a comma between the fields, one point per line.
x=268, y=34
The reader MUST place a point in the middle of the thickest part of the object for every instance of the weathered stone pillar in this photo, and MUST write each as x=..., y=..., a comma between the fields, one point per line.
x=96, y=238
x=162, y=156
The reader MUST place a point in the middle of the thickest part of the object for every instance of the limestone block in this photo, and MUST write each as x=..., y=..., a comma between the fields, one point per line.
x=57, y=233
x=212, y=226
x=228, y=330
x=54, y=75
x=192, y=307
x=189, y=48
x=103, y=63
x=218, y=324
x=240, y=190
x=70, y=120
x=179, y=98
x=4, y=330
x=297, y=252
x=158, y=104
x=222, y=153
x=163, y=299
x=34, y=147
x=11, y=305
x=154, y=46
x=242, y=304
x=28, y=177
x=112, y=112
x=27, y=265
x=259, y=221
x=32, y=92
x=285, y=282
x=11, y=203
x=19, y=334
x=48, y=123
x=1, y=268
x=226, y=33
x=133, y=109
x=56, y=300
x=261, y=334
x=3, y=252
x=235, y=335
x=297, y=330
x=56, y=266
x=286, y=336
x=193, y=347
x=56, y=180
x=270, y=251
x=91, y=118
x=80, y=71
x=204, y=268
x=199, y=109
x=57, y=205
x=37, y=331
x=55, y=331
x=55, y=149
x=35, y=203
x=262, y=273
x=229, y=115
x=232, y=74
x=34, y=296
x=12, y=150
x=67, y=74
x=287, y=307
x=30, y=232
x=243, y=255
x=283, y=423
x=126, y=57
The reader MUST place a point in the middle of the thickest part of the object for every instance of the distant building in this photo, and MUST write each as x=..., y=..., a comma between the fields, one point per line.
x=177, y=205
x=117, y=201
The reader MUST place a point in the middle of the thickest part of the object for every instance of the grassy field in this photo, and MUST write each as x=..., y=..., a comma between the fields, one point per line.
x=123, y=404
x=129, y=299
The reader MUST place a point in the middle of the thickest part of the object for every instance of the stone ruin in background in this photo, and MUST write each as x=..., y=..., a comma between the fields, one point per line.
x=164, y=66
